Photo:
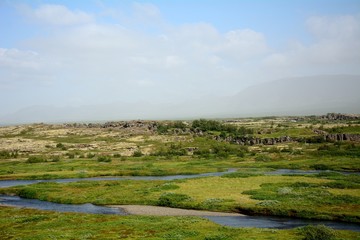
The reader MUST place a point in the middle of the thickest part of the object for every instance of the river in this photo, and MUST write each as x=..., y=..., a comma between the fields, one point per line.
x=233, y=221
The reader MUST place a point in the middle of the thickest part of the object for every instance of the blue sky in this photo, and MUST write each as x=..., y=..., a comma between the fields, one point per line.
x=73, y=53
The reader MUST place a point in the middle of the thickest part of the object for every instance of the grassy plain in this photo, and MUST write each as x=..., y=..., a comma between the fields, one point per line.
x=42, y=151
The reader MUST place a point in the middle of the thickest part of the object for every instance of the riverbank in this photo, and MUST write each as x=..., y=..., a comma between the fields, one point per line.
x=167, y=211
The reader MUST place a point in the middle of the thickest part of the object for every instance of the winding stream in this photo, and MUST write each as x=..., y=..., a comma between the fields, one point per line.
x=11, y=183
x=233, y=221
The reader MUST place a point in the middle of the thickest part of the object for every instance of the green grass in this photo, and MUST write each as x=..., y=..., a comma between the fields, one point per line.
x=33, y=224
x=308, y=200
x=300, y=196
x=323, y=196
x=291, y=132
x=354, y=129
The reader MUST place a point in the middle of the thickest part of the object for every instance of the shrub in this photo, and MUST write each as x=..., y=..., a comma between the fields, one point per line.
x=161, y=128
x=104, y=159
x=320, y=167
x=240, y=175
x=61, y=146
x=27, y=193
x=342, y=185
x=55, y=159
x=7, y=154
x=137, y=153
x=240, y=154
x=172, y=199
x=35, y=159
x=318, y=232
x=71, y=155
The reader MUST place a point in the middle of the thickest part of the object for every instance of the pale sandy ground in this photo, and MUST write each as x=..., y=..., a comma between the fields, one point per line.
x=166, y=211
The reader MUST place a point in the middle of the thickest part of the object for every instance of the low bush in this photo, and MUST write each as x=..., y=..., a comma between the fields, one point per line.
x=342, y=185
x=318, y=232
x=27, y=193
x=7, y=154
x=137, y=153
x=172, y=199
x=35, y=159
x=61, y=146
x=70, y=155
x=55, y=159
x=320, y=167
x=103, y=158
x=240, y=175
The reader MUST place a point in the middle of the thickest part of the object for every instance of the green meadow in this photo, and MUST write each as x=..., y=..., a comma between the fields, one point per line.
x=42, y=151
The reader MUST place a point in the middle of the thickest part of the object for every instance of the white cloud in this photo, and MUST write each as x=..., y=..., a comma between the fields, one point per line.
x=14, y=59
x=146, y=11
x=173, y=61
x=243, y=45
x=340, y=27
x=111, y=62
x=335, y=48
x=53, y=14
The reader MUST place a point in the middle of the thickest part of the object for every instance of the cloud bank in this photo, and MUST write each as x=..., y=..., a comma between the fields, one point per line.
x=79, y=59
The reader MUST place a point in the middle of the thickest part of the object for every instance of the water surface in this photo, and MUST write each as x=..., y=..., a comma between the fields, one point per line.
x=233, y=221
x=11, y=183
x=278, y=222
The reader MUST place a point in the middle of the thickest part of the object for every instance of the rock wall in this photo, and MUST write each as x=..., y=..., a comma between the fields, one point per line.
x=339, y=116
x=255, y=141
x=342, y=137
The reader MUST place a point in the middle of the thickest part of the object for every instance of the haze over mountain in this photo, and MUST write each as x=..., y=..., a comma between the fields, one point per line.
x=108, y=60
x=294, y=96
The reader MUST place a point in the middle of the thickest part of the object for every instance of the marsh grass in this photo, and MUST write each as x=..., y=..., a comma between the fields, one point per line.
x=300, y=196
x=43, y=225
x=309, y=200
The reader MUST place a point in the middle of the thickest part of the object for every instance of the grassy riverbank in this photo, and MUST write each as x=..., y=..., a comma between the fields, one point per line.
x=149, y=148
x=325, y=196
x=33, y=224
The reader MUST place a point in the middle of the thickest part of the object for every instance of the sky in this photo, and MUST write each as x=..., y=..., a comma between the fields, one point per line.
x=76, y=53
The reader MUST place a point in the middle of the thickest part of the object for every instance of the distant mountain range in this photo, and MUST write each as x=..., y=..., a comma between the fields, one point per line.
x=292, y=96
x=303, y=95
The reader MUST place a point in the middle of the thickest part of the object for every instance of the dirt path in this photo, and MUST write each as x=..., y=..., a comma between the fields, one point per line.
x=166, y=211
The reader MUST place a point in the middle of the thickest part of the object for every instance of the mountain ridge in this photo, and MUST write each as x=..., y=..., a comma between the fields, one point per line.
x=290, y=96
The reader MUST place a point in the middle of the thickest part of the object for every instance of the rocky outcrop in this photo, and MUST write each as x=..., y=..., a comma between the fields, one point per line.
x=255, y=141
x=342, y=137
x=339, y=116
x=150, y=125
x=249, y=141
